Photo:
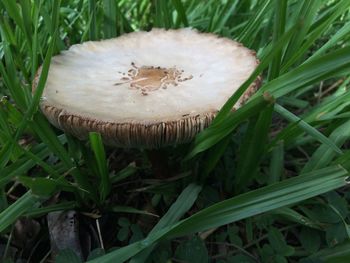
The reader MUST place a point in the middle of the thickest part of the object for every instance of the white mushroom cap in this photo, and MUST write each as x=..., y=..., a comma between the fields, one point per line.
x=145, y=89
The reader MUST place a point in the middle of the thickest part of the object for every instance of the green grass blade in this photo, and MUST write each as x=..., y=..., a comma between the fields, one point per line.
x=182, y=204
x=270, y=52
x=332, y=64
x=218, y=131
x=180, y=12
x=11, y=80
x=339, y=35
x=212, y=157
x=307, y=128
x=15, y=210
x=93, y=31
x=315, y=34
x=251, y=29
x=228, y=12
x=324, y=154
x=278, y=30
x=110, y=24
x=294, y=216
x=305, y=17
x=102, y=166
x=41, y=211
x=252, y=148
x=26, y=15
x=276, y=163
x=14, y=12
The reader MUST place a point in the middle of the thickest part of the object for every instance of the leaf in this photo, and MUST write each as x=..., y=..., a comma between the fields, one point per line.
x=67, y=255
x=97, y=252
x=123, y=234
x=241, y=259
x=123, y=222
x=335, y=234
x=278, y=242
x=337, y=254
x=193, y=250
x=310, y=239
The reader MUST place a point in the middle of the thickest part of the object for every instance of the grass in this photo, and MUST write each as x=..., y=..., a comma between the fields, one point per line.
x=266, y=183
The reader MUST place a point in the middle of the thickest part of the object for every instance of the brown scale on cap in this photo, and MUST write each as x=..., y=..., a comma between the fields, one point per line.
x=150, y=78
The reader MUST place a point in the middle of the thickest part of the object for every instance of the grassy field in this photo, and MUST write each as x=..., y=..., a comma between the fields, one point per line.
x=266, y=183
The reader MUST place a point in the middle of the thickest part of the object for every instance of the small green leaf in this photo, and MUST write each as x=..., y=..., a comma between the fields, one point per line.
x=97, y=252
x=123, y=233
x=67, y=255
x=193, y=250
x=123, y=222
x=241, y=258
x=310, y=239
x=335, y=234
x=278, y=242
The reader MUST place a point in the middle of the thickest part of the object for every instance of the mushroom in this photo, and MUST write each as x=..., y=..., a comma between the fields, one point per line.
x=145, y=89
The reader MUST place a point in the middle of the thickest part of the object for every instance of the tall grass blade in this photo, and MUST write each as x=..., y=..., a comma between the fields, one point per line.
x=182, y=204
x=307, y=128
x=102, y=166
x=15, y=210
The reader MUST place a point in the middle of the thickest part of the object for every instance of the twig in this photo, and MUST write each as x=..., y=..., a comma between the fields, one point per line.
x=333, y=86
x=207, y=233
x=99, y=233
x=8, y=244
x=45, y=257
x=319, y=93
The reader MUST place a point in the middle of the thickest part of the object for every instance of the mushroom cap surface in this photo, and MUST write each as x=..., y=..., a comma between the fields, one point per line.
x=145, y=89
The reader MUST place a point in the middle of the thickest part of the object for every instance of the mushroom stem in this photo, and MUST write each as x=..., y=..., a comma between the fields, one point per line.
x=159, y=162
